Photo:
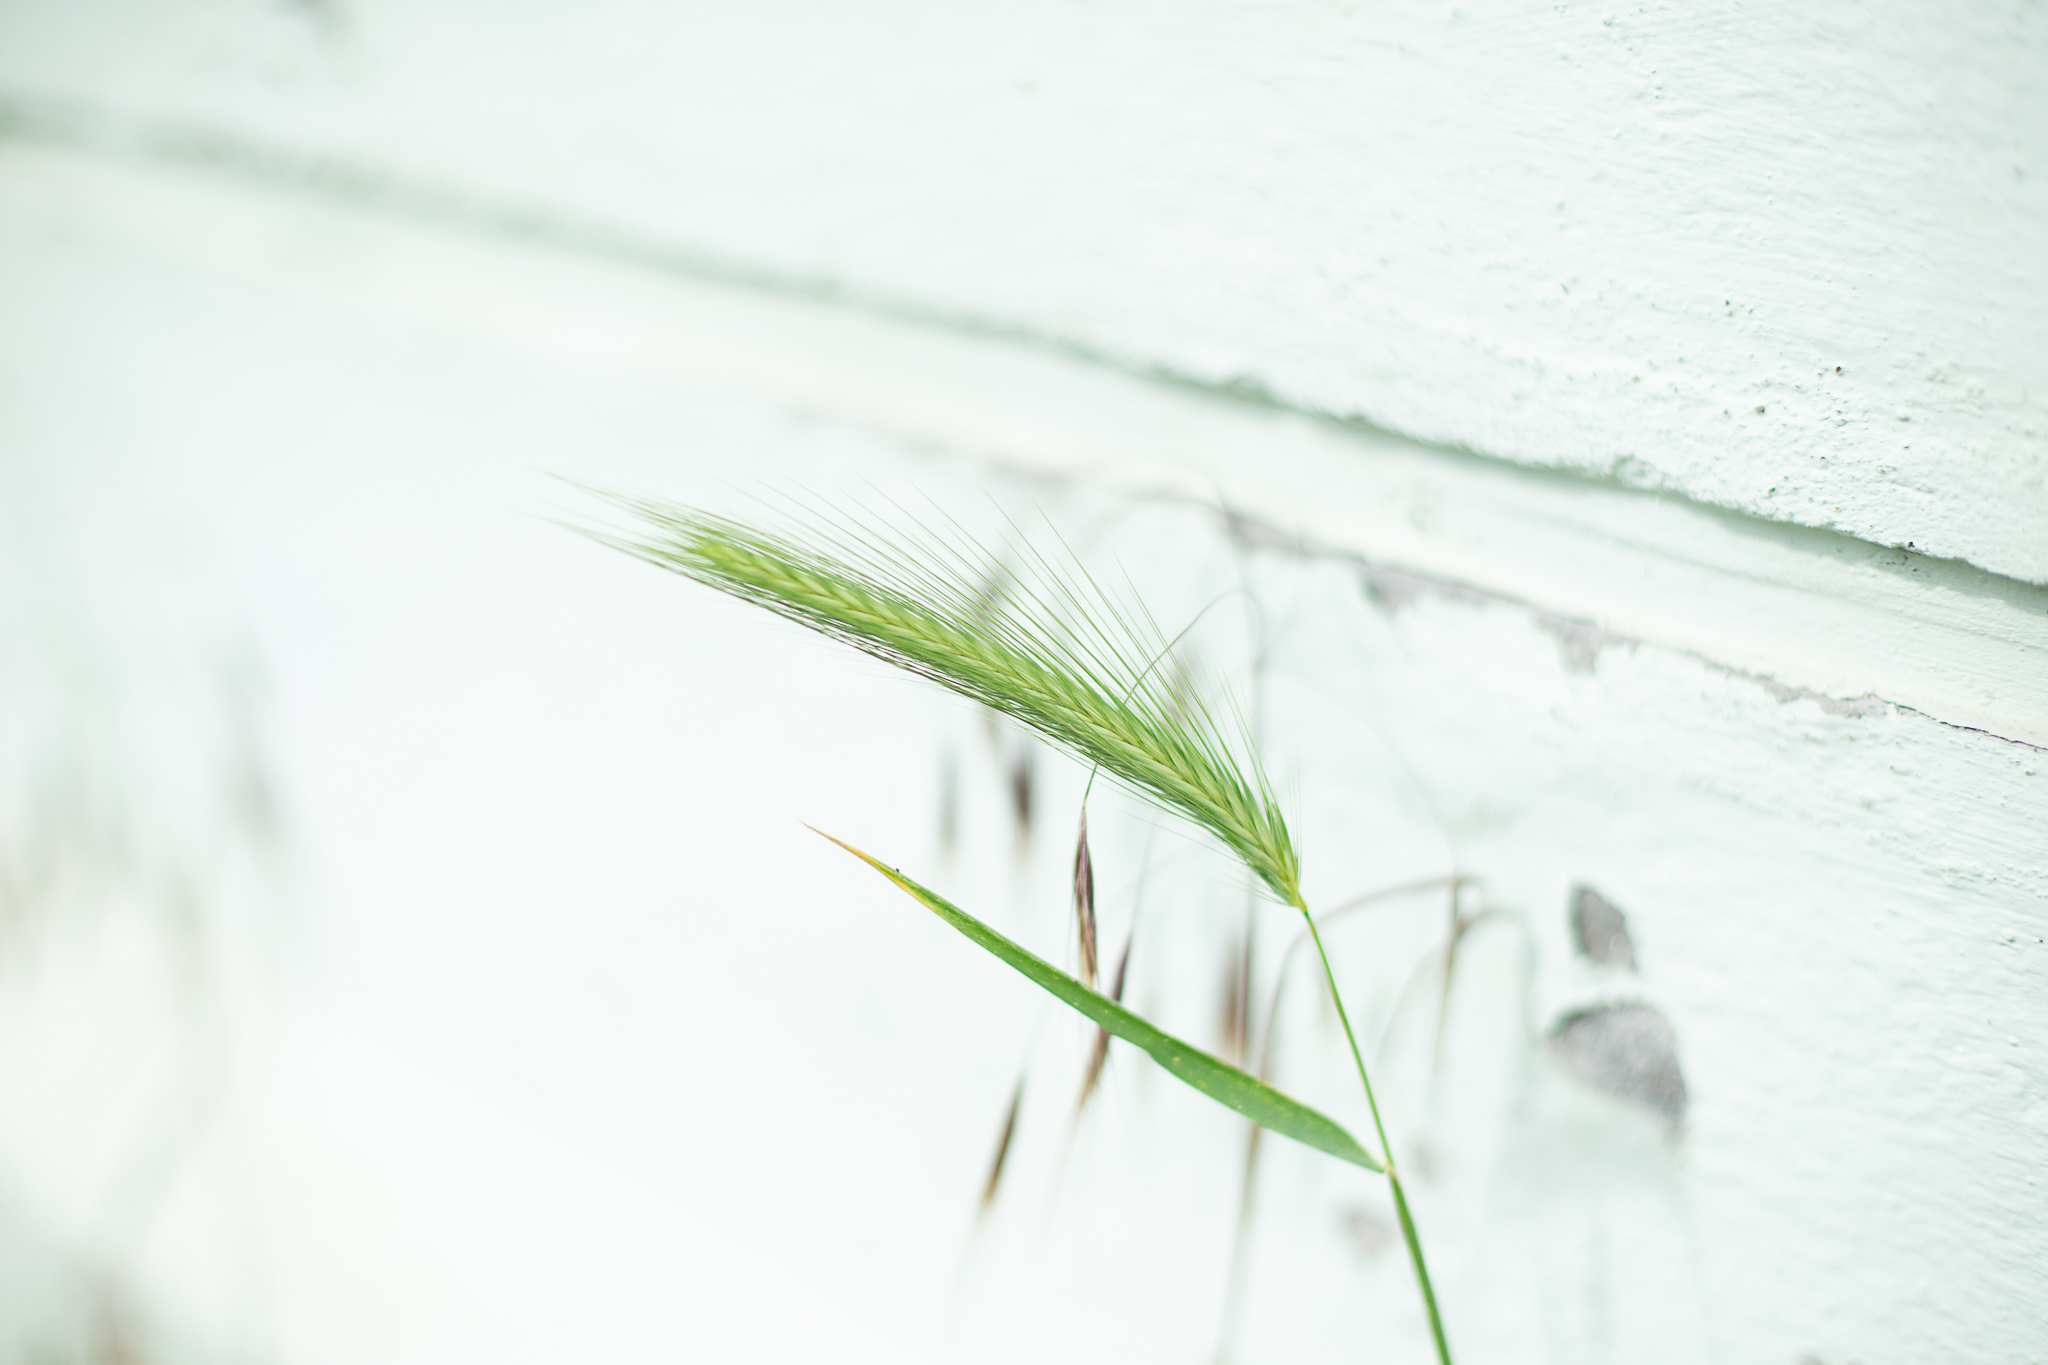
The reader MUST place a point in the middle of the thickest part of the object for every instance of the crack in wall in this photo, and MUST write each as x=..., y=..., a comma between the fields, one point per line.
x=356, y=184
x=1580, y=642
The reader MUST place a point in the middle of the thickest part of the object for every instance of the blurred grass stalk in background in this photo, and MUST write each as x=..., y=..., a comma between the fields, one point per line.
x=1047, y=647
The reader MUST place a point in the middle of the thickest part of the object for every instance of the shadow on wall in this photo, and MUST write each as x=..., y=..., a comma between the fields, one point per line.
x=1628, y=1050
x=140, y=848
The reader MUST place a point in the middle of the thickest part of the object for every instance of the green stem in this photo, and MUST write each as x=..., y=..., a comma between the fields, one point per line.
x=1436, y=1322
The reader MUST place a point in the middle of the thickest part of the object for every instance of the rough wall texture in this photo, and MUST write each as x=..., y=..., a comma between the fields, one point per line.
x=1801, y=1117
x=1786, y=260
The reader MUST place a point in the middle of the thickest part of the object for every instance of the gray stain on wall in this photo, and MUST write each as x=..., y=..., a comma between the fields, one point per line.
x=1600, y=931
x=1628, y=1051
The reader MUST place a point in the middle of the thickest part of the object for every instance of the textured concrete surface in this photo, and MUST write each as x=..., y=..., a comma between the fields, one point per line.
x=539, y=1002
x=1785, y=260
x=1619, y=433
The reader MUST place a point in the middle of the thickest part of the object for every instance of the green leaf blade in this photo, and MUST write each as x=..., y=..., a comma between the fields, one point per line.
x=1212, y=1076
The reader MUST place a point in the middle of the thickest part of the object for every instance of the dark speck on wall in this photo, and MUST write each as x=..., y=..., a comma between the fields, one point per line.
x=1600, y=931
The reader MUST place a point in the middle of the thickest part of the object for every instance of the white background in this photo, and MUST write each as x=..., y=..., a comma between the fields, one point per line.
x=433, y=965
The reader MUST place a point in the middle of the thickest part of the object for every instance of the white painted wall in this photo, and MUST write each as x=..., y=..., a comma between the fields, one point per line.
x=1785, y=259
x=532, y=836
